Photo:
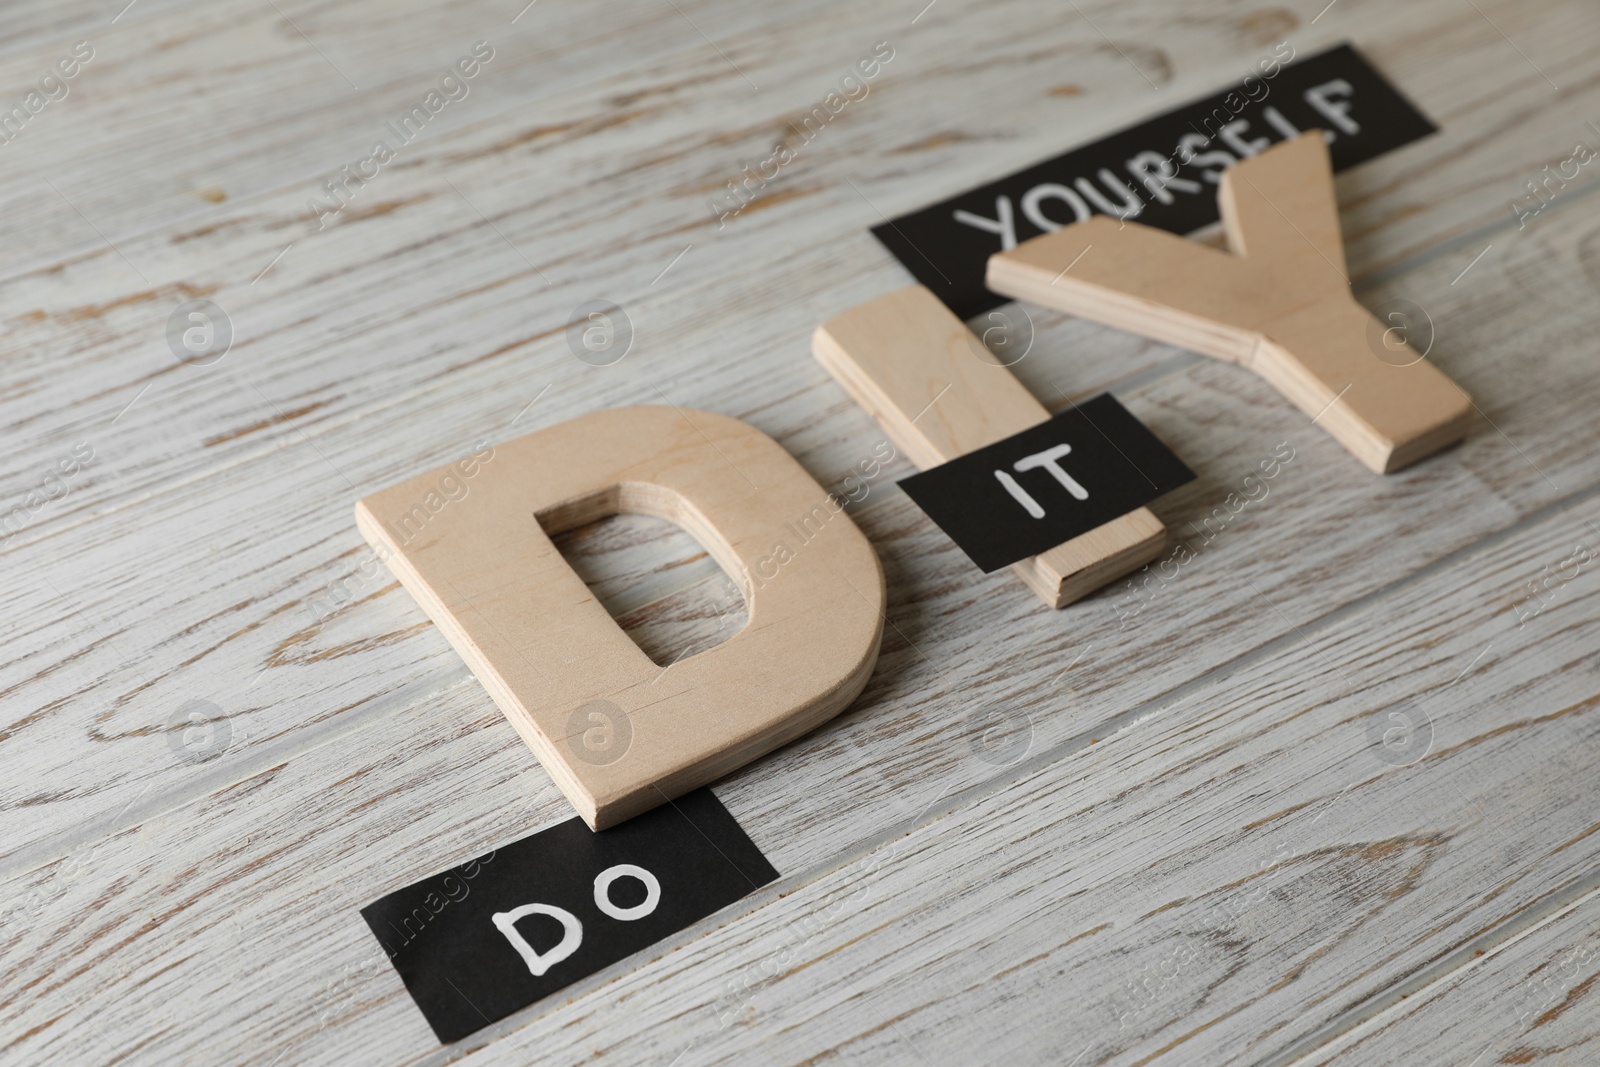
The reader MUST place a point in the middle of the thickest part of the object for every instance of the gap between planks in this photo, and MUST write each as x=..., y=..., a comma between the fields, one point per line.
x=1480, y=951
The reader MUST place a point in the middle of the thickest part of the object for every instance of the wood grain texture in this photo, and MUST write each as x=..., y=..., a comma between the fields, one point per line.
x=1527, y=1001
x=173, y=893
x=659, y=584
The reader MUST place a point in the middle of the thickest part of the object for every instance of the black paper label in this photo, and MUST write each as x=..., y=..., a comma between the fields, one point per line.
x=1022, y=496
x=1163, y=172
x=490, y=937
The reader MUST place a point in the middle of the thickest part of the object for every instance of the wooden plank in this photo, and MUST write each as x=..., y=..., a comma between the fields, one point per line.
x=295, y=546
x=906, y=744
x=188, y=562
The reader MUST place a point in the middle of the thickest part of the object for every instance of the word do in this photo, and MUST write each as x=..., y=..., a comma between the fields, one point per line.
x=572, y=929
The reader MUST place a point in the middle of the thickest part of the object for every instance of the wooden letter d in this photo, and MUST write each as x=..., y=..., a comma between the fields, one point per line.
x=619, y=734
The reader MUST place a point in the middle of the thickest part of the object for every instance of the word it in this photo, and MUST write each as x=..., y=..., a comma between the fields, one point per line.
x=1047, y=460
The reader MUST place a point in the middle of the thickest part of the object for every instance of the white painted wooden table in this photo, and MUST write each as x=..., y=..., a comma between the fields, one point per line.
x=1204, y=853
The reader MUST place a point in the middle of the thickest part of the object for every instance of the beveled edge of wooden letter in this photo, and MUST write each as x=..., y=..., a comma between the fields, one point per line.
x=483, y=567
